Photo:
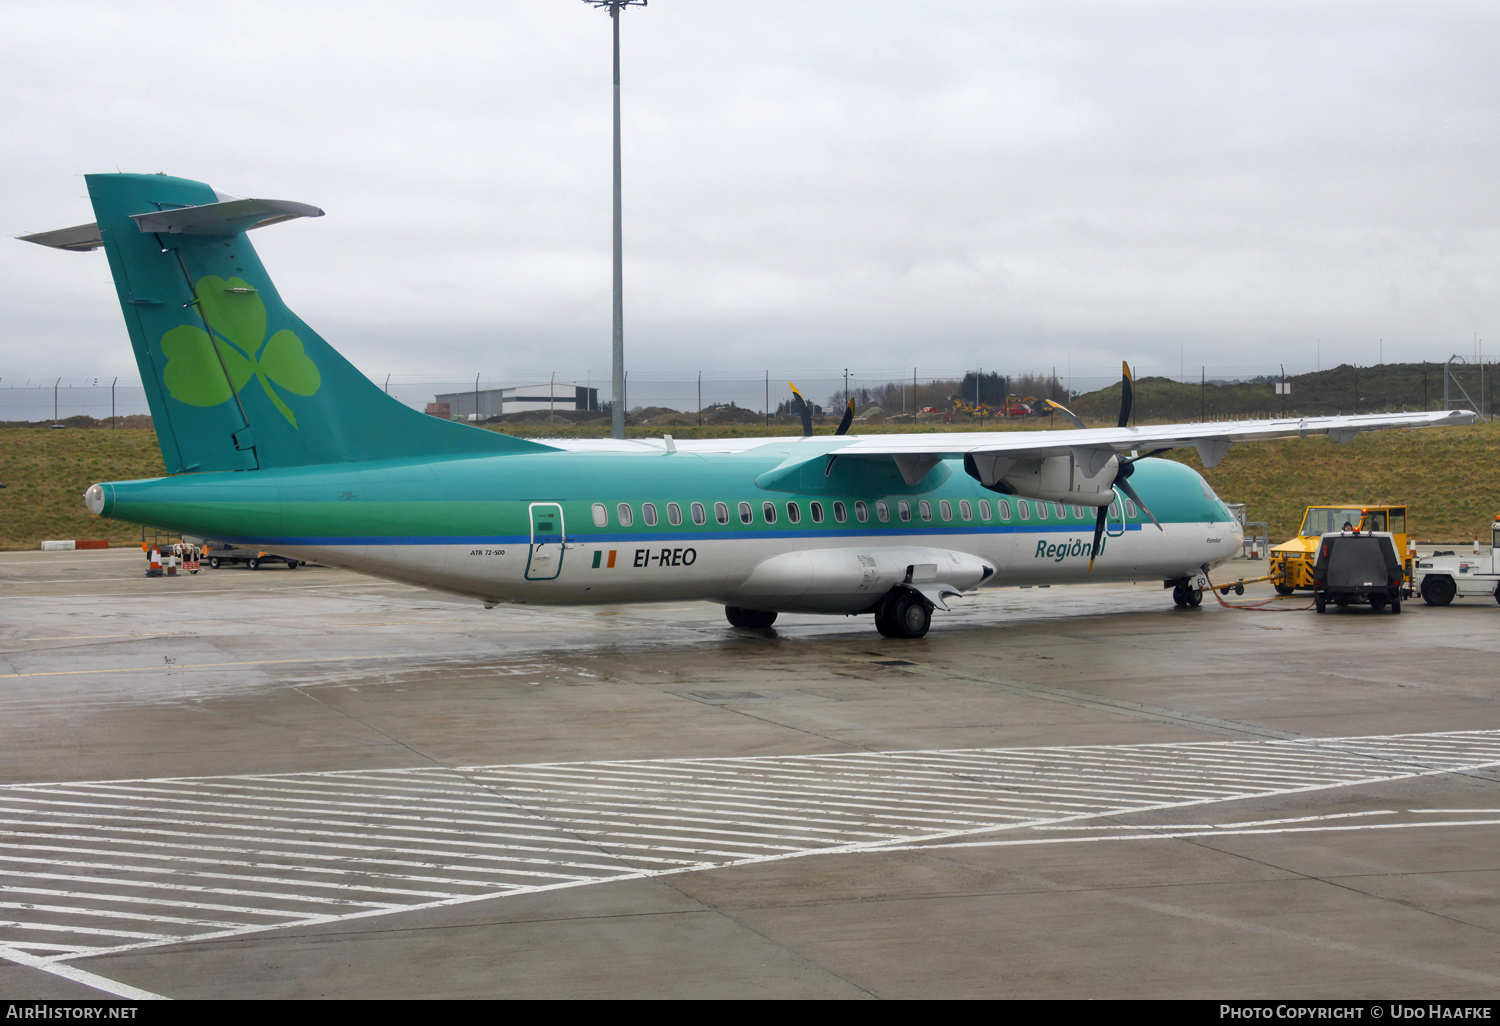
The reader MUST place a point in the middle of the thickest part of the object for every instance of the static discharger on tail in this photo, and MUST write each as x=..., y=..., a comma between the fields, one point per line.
x=275, y=441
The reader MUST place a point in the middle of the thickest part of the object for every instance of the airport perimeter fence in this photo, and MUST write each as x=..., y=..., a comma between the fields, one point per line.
x=45, y=400
x=1233, y=393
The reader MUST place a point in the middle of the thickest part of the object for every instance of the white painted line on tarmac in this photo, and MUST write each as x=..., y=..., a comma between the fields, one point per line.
x=77, y=975
x=1170, y=833
x=301, y=849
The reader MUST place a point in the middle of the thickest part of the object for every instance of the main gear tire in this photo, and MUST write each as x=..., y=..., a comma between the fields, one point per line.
x=753, y=618
x=903, y=614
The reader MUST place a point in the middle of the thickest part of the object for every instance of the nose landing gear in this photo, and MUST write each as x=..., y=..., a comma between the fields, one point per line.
x=1187, y=596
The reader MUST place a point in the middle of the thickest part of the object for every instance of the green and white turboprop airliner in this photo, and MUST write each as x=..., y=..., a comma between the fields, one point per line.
x=275, y=441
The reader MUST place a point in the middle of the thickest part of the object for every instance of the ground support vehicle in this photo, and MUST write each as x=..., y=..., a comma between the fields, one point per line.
x=217, y=554
x=1353, y=567
x=1444, y=576
x=1292, y=561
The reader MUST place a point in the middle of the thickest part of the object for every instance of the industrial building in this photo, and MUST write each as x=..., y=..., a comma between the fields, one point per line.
x=492, y=402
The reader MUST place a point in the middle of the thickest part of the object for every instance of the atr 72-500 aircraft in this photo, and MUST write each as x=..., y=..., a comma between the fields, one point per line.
x=275, y=441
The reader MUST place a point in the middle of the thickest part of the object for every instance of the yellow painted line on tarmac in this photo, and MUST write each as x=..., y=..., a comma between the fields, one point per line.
x=200, y=666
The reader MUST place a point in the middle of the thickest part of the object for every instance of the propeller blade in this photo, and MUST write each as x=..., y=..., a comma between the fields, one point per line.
x=1127, y=395
x=1124, y=486
x=1098, y=535
x=804, y=409
x=848, y=419
x=1060, y=408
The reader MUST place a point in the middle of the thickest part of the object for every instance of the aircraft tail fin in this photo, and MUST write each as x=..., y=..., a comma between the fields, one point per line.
x=236, y=380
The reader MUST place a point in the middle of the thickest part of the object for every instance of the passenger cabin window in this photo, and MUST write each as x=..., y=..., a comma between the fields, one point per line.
x=1078, y=512
x=1114, y=509
x=965, y=510
x=623, y=511
x=700, y=515
x=1041, y=511
x=925, y=509
x=1023, y=508
x=946, y=509
x=984, y=509
x=674, y=514
x=721, y=513
x=793, y=513
x=648, y=514
x=816, y=509
x=840, y=512
x=747, y=515
x=601, y=515
x=882, y=511
x=1129, y=508
x=768, y=510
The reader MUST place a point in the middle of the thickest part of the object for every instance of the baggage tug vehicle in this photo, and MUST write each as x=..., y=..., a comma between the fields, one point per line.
x=1444, y=576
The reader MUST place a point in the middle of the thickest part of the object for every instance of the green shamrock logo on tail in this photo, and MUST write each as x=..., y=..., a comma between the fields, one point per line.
x=238, y=318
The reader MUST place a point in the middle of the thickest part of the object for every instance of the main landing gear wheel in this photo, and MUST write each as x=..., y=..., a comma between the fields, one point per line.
x=755, y=618
x=903, y=614
x=1439, y=591
x=1186, y=596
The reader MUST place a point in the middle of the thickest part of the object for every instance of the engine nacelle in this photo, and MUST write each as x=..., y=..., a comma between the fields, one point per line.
x=851, y=580
x=1084, y=477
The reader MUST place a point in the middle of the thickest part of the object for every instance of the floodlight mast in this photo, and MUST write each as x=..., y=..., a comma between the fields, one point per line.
x=617, y=405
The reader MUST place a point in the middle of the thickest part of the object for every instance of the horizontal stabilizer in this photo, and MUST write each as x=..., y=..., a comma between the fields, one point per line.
x=229, y=217
x=79, y=239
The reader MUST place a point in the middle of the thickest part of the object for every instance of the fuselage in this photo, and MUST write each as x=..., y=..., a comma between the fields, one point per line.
x=580, y=527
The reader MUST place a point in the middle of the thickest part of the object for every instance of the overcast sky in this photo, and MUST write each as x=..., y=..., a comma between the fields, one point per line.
x=808, y=185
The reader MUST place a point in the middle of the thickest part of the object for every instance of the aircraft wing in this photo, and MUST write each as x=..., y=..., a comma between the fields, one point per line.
x=919, y=451
x=1211, y=439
